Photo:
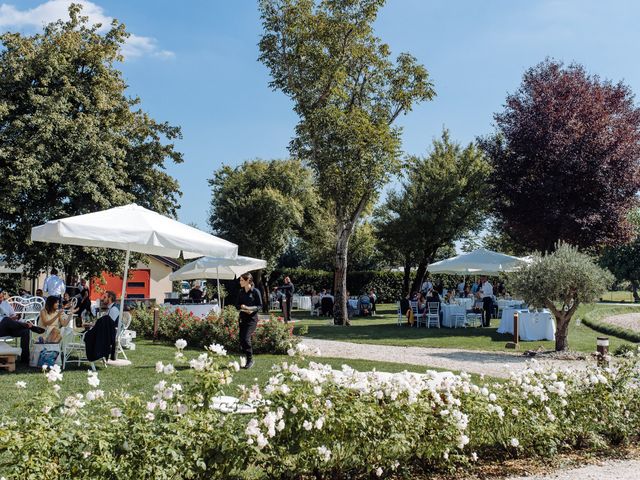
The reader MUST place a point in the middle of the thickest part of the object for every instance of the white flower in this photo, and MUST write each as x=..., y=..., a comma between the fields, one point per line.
x=319, y=423
x=92, y=379
x=21, y=384
x=324, y=453
x=515, y=443
x=462, y=441
x=261, y=441
x=159, y=367
x=220, y=350
x=116, y=412
x=84, y=455
x=379, y=471
x=317, y=390
x=280, y=425
x=181, y=343
x=252, y=429
x=492, y=397
x=291, y=352
x=514, y=412
x=150, y=416
x=294, y=409
x=168, y=369
x=54, y=374
x=181, y=408
x=474, y=456
x=151, y=406
x=56, y=388
x=307, y=425
x=484, y=391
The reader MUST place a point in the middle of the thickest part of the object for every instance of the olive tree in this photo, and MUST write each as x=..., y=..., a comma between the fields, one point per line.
x=561, y=281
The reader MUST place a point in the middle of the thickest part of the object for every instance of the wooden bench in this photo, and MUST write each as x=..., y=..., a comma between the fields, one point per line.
x=8, y=362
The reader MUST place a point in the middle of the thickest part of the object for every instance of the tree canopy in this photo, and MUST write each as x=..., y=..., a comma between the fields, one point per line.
x=348, y=93
x=73, y=142
x=566, y=159
x=443, y=197
x=624, y=260
x=561, y=281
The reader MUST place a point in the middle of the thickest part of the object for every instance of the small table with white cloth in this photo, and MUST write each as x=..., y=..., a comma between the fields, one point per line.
x=448, y=313
x=531, y=325
x=303, y=303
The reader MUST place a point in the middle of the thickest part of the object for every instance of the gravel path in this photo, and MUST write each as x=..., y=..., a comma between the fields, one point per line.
x=495, y=364
x=630, y=321
x=609, y=470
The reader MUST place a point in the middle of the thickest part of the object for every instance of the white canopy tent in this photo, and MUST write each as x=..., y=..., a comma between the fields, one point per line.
x=478, y=262
x=134, y=229
x=218, y=268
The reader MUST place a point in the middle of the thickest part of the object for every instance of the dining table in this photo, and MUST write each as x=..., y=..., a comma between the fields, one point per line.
x=532, y=324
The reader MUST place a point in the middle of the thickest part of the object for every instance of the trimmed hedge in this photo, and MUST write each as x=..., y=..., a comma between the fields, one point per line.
x=593, y=319
x=387, y=285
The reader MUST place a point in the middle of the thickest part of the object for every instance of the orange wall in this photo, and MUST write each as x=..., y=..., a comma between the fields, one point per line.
x=138, y=285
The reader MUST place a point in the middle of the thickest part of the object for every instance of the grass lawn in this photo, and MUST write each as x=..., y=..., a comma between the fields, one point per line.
x=383, y=330
x=620, y=296
x=141, y=375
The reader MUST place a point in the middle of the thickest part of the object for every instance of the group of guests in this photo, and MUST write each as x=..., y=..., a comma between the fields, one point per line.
x=55, y=317
x=481, y=290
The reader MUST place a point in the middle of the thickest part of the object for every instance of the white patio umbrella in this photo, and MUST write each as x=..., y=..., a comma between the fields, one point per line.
x=478, y=262
x=134, y=229
x=218, y=268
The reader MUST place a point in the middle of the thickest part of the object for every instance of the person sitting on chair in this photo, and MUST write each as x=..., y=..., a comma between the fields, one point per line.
x=364, y=305
x=52, y=320
x=326, y=305
x=195, y=294
x=11, y=327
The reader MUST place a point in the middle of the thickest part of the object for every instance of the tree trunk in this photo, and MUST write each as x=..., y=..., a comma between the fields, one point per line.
x=262, y=285
x=562, y=332
x=419, y=278
x=634, y=287
x=407, y=277
x=340, y=316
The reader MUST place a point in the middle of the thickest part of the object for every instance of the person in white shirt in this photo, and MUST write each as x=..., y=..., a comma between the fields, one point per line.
x=113, y=310
x=426, y=286
x=487, y=301
x=461, y=286
x=54, y=285
x=6, y=310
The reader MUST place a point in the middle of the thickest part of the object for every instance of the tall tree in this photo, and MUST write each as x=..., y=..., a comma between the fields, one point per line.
x=566, y=159
x=443, y=197
x=72, y=141
x=260, y=205
x=348, y=93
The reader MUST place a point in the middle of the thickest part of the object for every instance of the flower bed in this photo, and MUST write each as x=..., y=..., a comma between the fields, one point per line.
x=271, y=336
x=315, y=422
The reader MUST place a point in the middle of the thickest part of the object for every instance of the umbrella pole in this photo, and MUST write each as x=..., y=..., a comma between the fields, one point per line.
x=124, y=289
x=218, y=282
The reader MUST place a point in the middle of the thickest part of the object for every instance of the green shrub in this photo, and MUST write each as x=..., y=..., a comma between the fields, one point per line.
x=271, y=336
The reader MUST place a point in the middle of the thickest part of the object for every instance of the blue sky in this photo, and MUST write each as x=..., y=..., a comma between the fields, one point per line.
x=194, y=64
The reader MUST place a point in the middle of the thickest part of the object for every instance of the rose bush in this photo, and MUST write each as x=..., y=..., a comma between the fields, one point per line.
x=314, y=422
x=271, y=336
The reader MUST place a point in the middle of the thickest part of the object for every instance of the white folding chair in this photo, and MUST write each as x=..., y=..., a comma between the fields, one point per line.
x=401, y=317
x=433, y=315
x=123, y=325
x=458, y=320
x=72, y=344
x=474, y=319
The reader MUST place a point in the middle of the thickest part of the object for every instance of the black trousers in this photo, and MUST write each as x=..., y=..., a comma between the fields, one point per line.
x=286, y=308
x=487, y=310
x=247, y=327
x=13, y=328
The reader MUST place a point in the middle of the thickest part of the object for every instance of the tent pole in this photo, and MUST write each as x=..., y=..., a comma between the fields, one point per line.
x=218, y=282
x=124, y=289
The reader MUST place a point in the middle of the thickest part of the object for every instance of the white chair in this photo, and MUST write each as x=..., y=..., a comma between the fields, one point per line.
x=401, y=318
x=458, y=320
x=73, y=344
x=474, y=319
x=417, y=316
x=433, y=315
x=123, y=326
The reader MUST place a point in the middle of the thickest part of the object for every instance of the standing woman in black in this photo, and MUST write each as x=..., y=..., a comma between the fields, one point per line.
x=249, y=302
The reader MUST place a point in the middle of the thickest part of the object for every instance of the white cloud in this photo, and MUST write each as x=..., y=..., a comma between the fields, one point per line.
x=52, y=10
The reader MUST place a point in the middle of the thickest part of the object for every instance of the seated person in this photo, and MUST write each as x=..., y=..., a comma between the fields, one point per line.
x=11, y=327
x=364, y=305
x=195, y=294
x=52, y=320
x=66, y=301
x=84, y=307
x=315, y=300
x=422, y=303
x=433, y=297
x=326, y=305
x=405, y=309
x=372, y=298
x=451, y=297
x=39, y=293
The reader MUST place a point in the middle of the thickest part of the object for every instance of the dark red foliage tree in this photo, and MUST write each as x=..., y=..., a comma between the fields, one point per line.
x=566, y=155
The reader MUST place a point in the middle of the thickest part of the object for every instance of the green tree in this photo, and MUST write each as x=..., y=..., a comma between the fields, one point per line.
x=261, y=206
x=624, y=260
x=442, y=199
x=73, y=142
x=561, y=281
x=348, y=93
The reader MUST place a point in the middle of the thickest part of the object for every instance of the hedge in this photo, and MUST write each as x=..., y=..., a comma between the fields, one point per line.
x=593, y=319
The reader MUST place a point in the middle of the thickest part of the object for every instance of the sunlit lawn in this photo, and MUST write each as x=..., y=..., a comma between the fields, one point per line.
x=141, y=375
x=383, y=330
x=621, y=296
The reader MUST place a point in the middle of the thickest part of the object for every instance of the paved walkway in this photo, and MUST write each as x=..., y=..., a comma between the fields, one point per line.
x=495, y=364
x=608, y=470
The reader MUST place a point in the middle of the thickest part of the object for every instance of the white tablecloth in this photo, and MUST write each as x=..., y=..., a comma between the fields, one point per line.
x=198, y=309
x=466, y=303
x=304, y=302
x=509, y=303
x=531, y=325
x=448, y=311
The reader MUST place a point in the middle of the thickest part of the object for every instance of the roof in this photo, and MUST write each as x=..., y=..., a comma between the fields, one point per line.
x=169, y=262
